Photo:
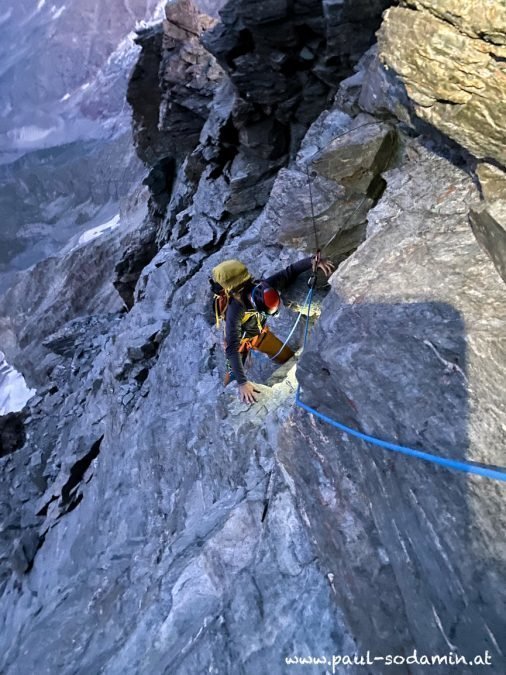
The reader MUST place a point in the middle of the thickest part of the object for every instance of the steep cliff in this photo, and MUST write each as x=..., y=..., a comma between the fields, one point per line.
x=153, y=524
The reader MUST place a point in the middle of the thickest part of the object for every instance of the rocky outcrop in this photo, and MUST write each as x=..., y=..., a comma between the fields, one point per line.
x=286, y=58
x=256, y=122
x=439, y=69
x=426, y=42
x=400, y=355
x=323, y=199
x=489, y=226
x=172, y=84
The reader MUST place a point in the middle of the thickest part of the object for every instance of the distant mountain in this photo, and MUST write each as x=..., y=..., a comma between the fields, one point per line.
x=64, y=67
x=66, y=155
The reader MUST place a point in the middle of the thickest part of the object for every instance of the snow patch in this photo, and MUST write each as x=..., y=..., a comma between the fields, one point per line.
x=57, y=11
x=65, y=97
x=29, y=134
x=95, y=232
x=40, y=5
x=124, y=52
x=159, y=11
x=157, y=15
x=13, y=390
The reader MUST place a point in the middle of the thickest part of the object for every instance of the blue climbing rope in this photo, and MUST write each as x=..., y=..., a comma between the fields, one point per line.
x=467, y=467
x=306, y=301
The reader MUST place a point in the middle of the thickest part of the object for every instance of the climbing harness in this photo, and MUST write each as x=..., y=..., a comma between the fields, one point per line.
x=467, y=467
x=253, y=313
x=292, y=330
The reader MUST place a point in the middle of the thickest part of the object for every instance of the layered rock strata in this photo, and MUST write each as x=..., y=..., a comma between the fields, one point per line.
x=259, y=114
x=468, y=106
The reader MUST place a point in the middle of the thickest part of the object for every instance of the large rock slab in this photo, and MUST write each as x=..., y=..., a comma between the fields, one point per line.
x=489, y=226
x=323, y=199
x=410, y=348
x=451, y=58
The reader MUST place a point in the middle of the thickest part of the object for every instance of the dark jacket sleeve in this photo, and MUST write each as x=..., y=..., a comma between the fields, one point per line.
x=282, y=279
x=233, y=336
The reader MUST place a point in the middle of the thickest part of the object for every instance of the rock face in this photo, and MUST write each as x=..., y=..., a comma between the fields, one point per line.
x=259, y=113
x=450, y=55
x=335, y=181
x=404, y=329
x=489, y=226
x=150, y=523
x=173, y=83
x=286, y=57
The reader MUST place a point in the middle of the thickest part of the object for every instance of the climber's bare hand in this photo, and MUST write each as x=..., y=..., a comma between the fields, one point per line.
x=326, y=266
x=247, y=392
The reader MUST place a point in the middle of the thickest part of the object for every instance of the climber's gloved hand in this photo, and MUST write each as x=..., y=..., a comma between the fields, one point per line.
x=325, y=265
x=247, y=392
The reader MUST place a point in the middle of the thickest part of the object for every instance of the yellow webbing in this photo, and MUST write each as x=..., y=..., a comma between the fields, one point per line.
x=247, y=316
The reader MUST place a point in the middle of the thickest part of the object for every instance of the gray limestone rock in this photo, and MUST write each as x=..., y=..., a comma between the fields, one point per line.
x=356, y=156
x=401, y=352
x=492, y=181
x=489, y=226
x=337, y=179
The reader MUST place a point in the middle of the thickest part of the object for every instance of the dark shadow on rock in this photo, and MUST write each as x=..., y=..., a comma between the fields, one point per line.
x=404, y=542
x=12, y=432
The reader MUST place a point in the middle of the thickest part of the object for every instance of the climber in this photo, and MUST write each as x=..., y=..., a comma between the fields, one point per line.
x=245, y=304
